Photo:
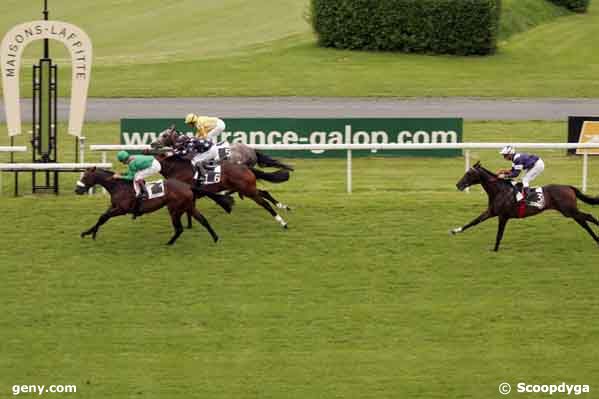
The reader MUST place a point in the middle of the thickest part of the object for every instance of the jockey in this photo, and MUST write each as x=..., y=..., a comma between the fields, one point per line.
x=139, y=167
x=205, y=151
x=531, y=164
x=206, y=127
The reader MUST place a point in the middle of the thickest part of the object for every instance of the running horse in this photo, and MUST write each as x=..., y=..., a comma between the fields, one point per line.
x=503, y=204
x=234, y=178
x=178, y=198
x=240, y=153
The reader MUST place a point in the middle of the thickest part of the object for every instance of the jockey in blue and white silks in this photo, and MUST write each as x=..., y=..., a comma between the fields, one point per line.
x=531, y=164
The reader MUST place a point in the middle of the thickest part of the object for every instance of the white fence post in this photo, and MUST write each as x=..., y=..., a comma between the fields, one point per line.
x=467, y=159
x=349, y=166
x=104, y=161
x=585, y=170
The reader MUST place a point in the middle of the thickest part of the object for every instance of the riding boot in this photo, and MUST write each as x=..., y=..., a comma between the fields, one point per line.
x=200, y=173
x=139, y=200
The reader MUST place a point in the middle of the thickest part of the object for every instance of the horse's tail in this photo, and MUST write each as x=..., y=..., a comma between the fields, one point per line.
x=265, y=161
x=225, y=201
x=278, y=176
x=584, y=197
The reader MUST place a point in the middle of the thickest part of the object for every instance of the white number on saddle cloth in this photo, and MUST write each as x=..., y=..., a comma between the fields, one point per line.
x=213, y=176
x=156, y=189
x=540, y=198
x=223, y=151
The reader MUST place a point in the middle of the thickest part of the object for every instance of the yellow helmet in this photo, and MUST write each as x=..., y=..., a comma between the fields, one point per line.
x=191, y=118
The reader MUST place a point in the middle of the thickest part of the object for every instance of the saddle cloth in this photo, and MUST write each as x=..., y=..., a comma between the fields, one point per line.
x=535, y=197
x=213, y=175
x=156, y=189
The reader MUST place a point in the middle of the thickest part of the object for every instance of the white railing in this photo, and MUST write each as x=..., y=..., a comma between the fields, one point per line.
x=351, y=147
x=13, y=149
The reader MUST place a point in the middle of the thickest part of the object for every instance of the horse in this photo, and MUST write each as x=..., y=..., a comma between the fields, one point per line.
x=502, y=202
x=178, y=198
x=240, y=153
x=234, y=178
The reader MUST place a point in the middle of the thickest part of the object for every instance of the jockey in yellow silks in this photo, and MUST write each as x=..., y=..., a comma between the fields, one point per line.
x=206, y=127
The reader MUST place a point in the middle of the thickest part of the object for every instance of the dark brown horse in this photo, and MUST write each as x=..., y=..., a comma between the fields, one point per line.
x=179, y=198
x=502, y=202
x=234, y=178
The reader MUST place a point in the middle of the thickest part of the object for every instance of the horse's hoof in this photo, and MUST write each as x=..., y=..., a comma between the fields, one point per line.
x=286, y=226
x=215, y=239
x=83, y=235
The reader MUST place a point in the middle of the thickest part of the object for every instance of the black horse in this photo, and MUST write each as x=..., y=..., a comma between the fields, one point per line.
x=502, y=202
x=178, y=198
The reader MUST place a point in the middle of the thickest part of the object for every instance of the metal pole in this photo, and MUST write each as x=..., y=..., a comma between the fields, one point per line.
x=46, y=41
x=585, y=171
x=349, y=171
x=467, y=159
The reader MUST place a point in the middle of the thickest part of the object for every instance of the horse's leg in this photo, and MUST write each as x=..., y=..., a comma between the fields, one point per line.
x=581, y=220
x=590, y=218
x=189, y=213
x=200, y=218
x=111, y=212
x=481, y=218
x=264, y=204
x=266, y=195
x=176, y=221
x=500, y=230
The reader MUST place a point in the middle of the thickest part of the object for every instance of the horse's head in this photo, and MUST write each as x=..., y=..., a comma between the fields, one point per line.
x=87, y=181
x=90, y=178
x=166, y=138
x=470, y=178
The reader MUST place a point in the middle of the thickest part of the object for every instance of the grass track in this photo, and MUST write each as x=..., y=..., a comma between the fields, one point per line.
x=365, y=296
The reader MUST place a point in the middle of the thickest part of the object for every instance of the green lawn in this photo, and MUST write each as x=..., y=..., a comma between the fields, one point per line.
x=267, y=48
x=365, y=296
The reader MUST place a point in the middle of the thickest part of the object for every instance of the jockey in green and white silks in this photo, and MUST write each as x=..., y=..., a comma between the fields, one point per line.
x=139, y=167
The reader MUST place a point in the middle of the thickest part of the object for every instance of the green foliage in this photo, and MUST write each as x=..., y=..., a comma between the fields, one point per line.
x=434, y=26
x=574, y=5
x=521, y=15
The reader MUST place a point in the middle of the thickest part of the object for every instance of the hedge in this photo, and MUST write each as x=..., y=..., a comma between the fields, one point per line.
x=431, y=26
x=574, y=5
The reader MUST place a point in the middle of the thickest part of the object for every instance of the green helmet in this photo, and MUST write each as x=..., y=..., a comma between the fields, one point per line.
x=122, y=156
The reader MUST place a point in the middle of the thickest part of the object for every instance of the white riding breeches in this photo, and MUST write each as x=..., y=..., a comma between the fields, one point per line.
x=142, y=174
x=533, y=173
x=218, y=129
x=211, y=154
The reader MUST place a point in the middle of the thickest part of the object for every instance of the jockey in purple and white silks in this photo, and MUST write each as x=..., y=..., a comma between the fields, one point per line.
x=531, y=164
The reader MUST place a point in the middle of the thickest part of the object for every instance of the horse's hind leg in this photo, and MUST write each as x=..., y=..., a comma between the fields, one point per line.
x=200, y=218
x=262, y=202
x=581, y=220
x=189, y=225
x=266, y=195
x=176, y=221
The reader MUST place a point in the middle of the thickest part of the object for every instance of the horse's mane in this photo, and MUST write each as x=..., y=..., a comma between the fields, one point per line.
x=487, y=171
